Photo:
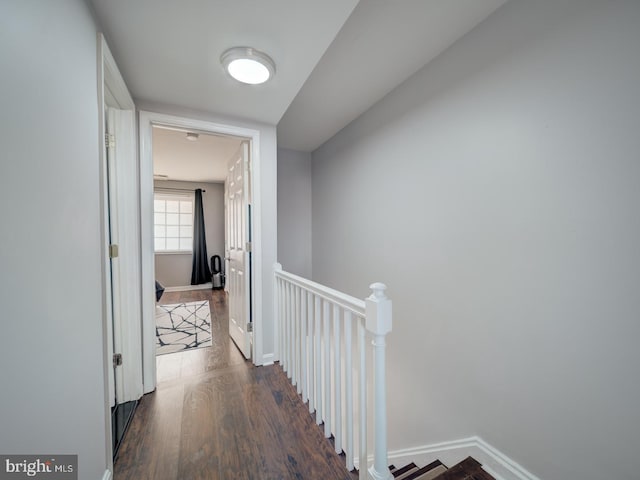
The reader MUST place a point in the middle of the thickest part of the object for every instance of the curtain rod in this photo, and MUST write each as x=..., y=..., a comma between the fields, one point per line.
x=177, y=189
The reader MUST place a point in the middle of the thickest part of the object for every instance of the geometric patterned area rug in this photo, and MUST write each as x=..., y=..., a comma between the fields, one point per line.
x=182, y=326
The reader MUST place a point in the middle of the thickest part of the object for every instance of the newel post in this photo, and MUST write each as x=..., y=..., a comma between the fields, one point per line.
x=379, y=323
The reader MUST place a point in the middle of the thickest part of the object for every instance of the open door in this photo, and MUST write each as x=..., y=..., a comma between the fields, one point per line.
x=121, y=237
x=238, y=208
x=125, y=332
x=116, y=379
x=124, y=254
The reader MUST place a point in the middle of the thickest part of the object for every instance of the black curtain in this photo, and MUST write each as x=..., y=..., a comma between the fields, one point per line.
x=200, y=272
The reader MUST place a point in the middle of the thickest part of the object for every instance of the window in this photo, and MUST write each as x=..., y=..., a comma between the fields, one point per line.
x=173, y=222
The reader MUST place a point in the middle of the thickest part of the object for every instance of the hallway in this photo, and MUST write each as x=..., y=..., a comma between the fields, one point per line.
x=216, y=416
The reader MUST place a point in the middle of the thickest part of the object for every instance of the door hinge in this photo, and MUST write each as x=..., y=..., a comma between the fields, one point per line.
x=113, y=250
x=248, y=247
x=249, y=327
x=110, y=140
x=117, y=360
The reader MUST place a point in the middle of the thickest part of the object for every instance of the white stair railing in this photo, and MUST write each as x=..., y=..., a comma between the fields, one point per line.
x=320, y=354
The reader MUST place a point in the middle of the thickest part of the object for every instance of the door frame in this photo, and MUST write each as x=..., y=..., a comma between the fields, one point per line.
x=111, y=90
x=147, y=121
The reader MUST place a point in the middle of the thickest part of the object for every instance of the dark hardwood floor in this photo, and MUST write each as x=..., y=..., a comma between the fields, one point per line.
x=216, y=416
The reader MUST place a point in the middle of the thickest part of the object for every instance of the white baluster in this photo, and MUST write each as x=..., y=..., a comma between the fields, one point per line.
x=303, y=345
x=296, y=337
x=337, y=347
x=283, y=328
x=283, y=300
x=281, y=324
x=327, y=369
x=318, y=360
x=379, y=322
x=348, y=330
x=312, y=353
x=289, y=336
x=285, y=338
x=290, y=330
x=278, y=313
x=362, y=397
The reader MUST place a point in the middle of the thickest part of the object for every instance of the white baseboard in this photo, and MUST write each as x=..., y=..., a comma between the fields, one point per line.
x=204, y=286
x=267, y=359
x=107, y=475
x=494, y=462
x=498, y=461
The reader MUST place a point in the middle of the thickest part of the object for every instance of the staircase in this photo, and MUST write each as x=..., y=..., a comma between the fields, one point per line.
x=332, y=348
x=468, y=469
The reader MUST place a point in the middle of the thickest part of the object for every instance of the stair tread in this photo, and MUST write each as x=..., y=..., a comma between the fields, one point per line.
x=427, y=472
x=403, y=470
x=407, y=475
x=431, y=474
x=468, y=469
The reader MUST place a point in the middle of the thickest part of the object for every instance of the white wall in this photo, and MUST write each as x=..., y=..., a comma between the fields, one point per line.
x=294, y=211
x=268, y=204
x=496, y=192
x=52, y=381
x=174, y=270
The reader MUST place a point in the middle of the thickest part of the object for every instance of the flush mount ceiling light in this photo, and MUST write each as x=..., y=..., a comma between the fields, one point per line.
x=192, y=136
x=248, y=65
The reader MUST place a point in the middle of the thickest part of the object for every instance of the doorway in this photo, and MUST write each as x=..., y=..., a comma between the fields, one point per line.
x=191, y=171
x=149, y=121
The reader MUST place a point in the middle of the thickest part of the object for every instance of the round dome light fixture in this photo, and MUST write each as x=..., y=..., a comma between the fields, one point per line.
x=248, y=65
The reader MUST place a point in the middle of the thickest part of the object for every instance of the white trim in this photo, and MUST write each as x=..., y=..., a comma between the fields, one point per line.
x=107, y=475
x=107, y=321
x=186, y=288
x=268, y=359
x=494, y=462
x=449, y=453
x=113, y=80
x=111, y=88
x=501, y=462
x=147, y=121
x=147, y=256
x=256, y=243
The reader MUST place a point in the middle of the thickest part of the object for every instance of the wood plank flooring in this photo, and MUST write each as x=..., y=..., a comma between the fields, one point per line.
x=216, y=416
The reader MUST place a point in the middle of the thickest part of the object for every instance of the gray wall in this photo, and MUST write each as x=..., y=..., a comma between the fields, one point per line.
x=496, y=192
x=294, y=211
x=52, y=356
x=174, y=270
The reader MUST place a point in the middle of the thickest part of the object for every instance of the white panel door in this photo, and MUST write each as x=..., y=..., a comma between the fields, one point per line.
x=124, y=225
x=238, y=250
x=116, y=384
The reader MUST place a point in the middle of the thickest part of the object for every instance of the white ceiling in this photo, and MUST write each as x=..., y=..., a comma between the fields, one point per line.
x=382, y=44
x=169, y=51
x=204, y=160
x=328, y=71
